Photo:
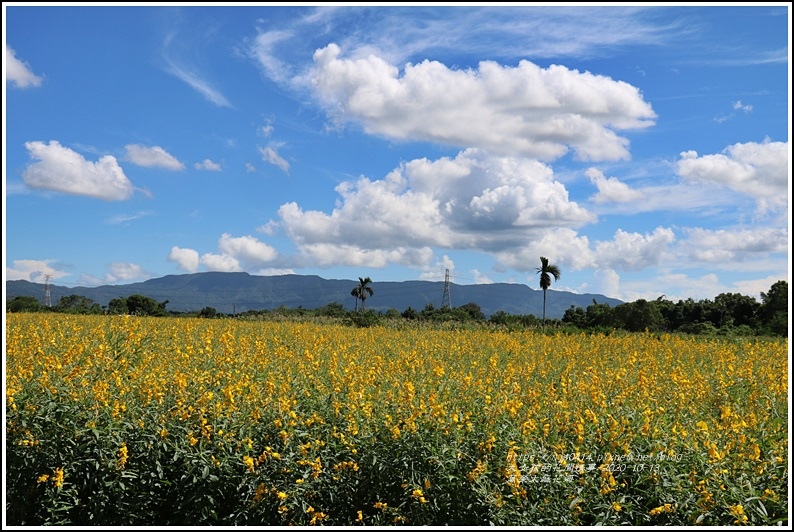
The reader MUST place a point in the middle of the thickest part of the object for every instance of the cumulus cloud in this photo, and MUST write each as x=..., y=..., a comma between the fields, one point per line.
x=18, y=72
x=270, y=155
x=207, y=164
x=247, y=249
x=152, y=156
x=611, y=189
x=563, y=246
x=726, y=246
x=760, y=170
x=235, y=254
x=220, y=263
x=474, y=201
x=118, y=272
x=526, y=110
x=334, y=254
x=34, y=271
x=480, y=278
x=125, y=271
x=634, y=251
x=64, y=170
x=186, y=259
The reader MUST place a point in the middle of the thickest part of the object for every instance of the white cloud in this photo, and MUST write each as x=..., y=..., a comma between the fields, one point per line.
x=220, y=263
x=605, y=281
x=64, y=170
x=186, y=259
x=119, y=272
x=18, y=72
x=124, y=218
x=563, y=246
x=480, y=278
x=432, y=272
x=610, y=189
x=760, y=170
x=125, y=271
x=33, y=271
x=247, y=249
x=250, y=168
x=197, y=83
x=754, y=287
x=266, y=130
x=270, y=155
x=334, y=254
x=474, y=201
x=274, y=271
x=263, y=50
x=152, y=156
x=207, y=164
x=633, y=251
x=526, y=110
x=725, y=246
x=269, y=228
x=739, y=106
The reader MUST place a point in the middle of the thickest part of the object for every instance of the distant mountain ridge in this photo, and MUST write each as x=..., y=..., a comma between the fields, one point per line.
x=239, y=292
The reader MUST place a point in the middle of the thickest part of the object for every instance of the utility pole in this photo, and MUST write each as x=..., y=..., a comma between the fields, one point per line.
x=47, y=291
x=446, y=301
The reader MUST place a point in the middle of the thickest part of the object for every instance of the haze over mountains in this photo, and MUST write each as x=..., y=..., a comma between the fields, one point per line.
x=239, y=292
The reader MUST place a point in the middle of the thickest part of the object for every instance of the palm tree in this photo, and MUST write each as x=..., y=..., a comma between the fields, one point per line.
x=362, y=290
x=547, y=271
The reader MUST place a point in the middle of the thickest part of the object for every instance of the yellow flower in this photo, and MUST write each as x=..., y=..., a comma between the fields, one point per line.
x=281, y=495
x=260, y=493
x=666, y=508
x=122, y=455
x=57, y=477
x=738, y=511
x=616, y=506
x=249, y=463
x=360, y=516
x=43, y=478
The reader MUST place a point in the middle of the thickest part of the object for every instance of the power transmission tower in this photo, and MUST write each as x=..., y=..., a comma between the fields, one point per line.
x=47, y=291
x=445, y=299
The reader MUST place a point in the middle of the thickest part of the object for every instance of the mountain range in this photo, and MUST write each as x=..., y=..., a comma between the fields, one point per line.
x=239, y=292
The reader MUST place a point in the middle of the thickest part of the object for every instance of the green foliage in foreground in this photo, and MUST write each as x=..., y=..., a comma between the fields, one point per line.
x=130, y=421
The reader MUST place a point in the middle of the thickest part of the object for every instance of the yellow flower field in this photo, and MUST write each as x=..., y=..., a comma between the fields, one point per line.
x=115, y=420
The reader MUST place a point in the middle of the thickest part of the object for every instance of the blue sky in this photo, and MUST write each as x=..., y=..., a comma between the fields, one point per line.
x=643, y=149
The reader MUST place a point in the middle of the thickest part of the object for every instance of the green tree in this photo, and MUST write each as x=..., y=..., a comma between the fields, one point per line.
x=118, y=306
x=208, y=312
x=773, y=312
x=24, y=304
x=362, y=290
x=141, y=305
x=547, y=271
x=76, y=304
x=473, y=310
x=638, y=316
x=354, y=293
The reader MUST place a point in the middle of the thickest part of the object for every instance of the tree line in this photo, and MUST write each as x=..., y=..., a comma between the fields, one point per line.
x=727, y=314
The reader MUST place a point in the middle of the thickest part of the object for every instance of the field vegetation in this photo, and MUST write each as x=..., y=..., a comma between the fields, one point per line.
x=130, y=420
